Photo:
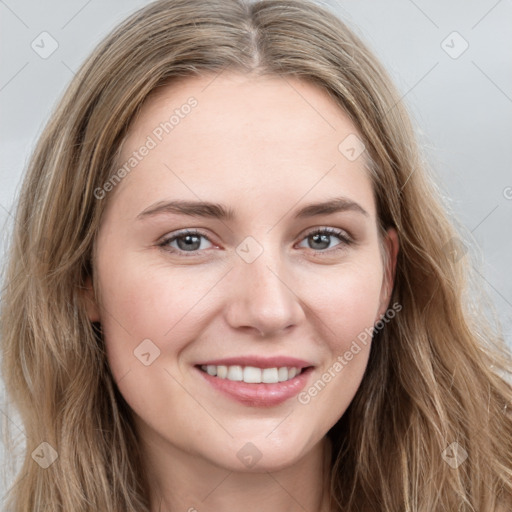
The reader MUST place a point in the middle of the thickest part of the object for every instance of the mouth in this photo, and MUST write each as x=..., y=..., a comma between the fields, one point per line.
x=254, y=386
x=252, y=374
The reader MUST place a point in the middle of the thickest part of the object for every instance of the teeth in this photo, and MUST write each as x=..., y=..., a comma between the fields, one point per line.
x=235, y=373
x=222, y=371
x=251, y=374
x=282, y=374
x=269, y=375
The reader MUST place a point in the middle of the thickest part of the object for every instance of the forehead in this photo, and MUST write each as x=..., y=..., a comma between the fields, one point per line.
x=244, y=107
x=243, y=138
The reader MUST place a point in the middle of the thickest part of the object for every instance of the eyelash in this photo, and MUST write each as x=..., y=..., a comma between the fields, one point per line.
x=345, y=241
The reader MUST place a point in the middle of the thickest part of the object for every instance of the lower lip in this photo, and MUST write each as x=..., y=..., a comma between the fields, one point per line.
x=259, y=395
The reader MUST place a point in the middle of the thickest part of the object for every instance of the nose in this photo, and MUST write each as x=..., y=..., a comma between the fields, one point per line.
x=262, y=297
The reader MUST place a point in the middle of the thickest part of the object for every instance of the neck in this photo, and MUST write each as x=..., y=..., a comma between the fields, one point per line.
x=181, y=482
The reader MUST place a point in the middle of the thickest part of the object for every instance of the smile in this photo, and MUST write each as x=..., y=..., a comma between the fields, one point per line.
x=255, y=387
x=251, y=374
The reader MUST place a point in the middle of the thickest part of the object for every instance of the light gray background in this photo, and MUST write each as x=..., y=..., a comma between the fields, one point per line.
x=462, y=106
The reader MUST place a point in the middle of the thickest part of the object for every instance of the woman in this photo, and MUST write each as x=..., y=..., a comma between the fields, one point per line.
x=232, y=284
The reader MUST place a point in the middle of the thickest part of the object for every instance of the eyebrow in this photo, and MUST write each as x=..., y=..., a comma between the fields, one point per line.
x=219, y=211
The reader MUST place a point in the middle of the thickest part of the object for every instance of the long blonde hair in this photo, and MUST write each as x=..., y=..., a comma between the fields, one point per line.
x=437, y=373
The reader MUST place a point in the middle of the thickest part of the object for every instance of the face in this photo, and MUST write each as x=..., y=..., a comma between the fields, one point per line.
x=208, y=311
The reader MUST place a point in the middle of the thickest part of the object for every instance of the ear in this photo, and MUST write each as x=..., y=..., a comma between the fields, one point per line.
x=91, y=306
x=391, y=247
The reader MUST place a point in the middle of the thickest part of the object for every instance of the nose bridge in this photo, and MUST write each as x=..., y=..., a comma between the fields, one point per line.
x=262, y=298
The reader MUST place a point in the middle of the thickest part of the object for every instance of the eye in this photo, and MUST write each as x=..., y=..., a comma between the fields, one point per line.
x=191, y=241
x=320, y=239
x=185, y=241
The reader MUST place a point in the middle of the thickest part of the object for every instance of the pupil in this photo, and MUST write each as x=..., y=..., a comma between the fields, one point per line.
x=190, y=240
x=322, y=239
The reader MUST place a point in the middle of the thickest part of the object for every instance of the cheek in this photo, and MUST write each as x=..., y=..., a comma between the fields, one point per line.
x=141, y=302
x=345, y=300
x=345, y=308
x=149, y=315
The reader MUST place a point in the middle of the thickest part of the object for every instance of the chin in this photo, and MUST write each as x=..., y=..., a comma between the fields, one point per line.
x=260, y=453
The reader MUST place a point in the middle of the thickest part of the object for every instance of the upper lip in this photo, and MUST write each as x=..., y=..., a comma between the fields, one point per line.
x=259, y=362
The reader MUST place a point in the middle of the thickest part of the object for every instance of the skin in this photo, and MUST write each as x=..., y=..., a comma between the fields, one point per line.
x=263, y=147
